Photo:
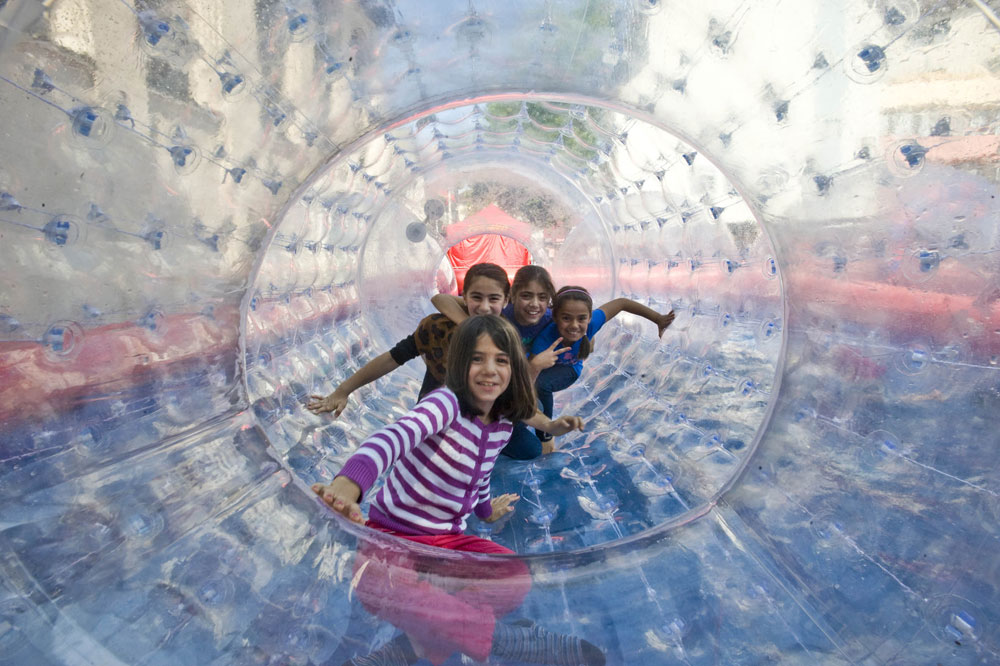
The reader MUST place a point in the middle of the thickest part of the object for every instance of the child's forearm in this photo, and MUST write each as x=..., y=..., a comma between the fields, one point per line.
x=632, y=307
x=378, y=367
x=662, y=321
x=336, y=401
x=535, y=367
x=558, y=426
x=450, y=306
x=539, y=421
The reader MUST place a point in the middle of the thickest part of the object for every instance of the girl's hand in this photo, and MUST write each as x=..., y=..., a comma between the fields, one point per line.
x=546, y=359
x=342, y=496
x=663, y=322
x=502, y=506
x=565, y=424
x=335, y=402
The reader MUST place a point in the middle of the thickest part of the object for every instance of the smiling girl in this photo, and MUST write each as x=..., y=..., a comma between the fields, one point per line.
x=531, y=294
x=574, y=323
x=529, y=307
x=438, y=459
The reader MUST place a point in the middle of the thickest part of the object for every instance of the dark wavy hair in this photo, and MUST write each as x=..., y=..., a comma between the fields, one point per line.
x=574, y=293
x=517, y=403
x=491, y=271
x=533, y=273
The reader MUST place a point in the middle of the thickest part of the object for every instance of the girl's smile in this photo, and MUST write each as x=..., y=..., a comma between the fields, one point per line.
x=489, y=374
x=484, y=296
x=572, y=320
x=530, y=304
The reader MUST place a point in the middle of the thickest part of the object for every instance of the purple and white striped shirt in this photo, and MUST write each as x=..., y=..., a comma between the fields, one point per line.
x=439, y=464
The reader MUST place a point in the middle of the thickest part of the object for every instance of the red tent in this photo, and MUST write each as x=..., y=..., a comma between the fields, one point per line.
x=487, y=245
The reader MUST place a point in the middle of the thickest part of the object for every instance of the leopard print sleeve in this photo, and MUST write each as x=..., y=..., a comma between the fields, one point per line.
x=433, y=335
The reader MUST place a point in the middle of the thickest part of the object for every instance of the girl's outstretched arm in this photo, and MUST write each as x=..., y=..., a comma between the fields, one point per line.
x=450, y=306
x=379, y=366
x=557, y=426
x=662, y=321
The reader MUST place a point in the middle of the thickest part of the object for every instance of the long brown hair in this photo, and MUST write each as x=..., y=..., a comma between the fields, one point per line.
x=517, y=403
x=491, y=271
x=574, y=293
x=532, y=273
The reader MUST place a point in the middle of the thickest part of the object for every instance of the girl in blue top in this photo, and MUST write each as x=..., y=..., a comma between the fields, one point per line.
x=575, y=322
x=531, y=299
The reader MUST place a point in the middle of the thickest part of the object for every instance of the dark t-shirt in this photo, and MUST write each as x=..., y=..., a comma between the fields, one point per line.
x=430, y=341
x=405, y=350
x=528, y=333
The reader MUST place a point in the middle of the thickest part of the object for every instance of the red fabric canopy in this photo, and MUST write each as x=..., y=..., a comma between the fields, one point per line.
x=493, y=248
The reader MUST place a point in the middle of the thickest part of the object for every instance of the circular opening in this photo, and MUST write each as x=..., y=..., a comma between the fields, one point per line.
x=600, y=197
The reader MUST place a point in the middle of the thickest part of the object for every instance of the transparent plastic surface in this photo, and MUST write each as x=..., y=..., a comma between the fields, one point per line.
x=209, y=212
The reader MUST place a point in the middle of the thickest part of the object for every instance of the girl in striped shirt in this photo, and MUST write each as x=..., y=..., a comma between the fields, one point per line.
x=437, y=460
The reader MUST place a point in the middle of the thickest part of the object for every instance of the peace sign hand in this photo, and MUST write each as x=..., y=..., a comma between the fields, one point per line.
x=546, y=359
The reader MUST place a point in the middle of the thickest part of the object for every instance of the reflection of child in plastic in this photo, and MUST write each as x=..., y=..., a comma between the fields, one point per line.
x=438, y=459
